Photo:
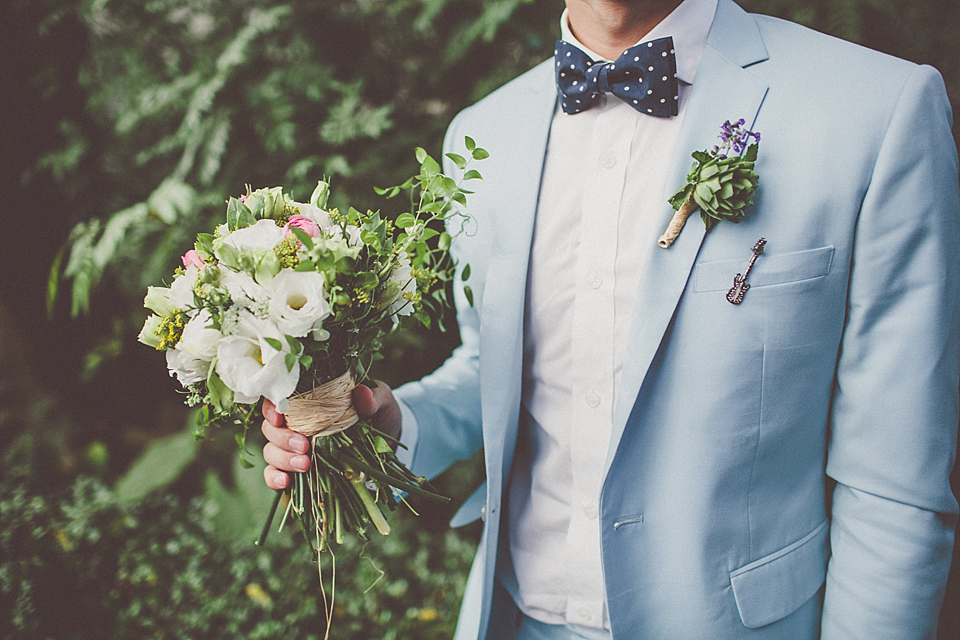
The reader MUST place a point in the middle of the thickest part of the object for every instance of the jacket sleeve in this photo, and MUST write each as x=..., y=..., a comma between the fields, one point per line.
x=446, y=404
x=895, y=408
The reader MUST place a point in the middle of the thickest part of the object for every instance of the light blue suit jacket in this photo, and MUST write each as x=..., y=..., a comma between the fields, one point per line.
x=771, y=458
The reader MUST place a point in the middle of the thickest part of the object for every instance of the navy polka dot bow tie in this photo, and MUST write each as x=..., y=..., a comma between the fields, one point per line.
x=644, y=76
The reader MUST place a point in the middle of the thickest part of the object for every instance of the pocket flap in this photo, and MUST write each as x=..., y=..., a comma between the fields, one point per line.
x=775, y=586
x=769, y=269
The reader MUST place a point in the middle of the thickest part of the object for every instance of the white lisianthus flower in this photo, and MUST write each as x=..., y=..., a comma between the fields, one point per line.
x=181, y=291
x=342, y=244
x=158, y=301
x=400, y=287
x=316, y=214
x=297, y=303
x=251, y=249
x=252, y=368
x=199, y=337
x=263, y=234
x=187, y=370
x=150, y=334
x=243, y=289
x=353, y=236
x=190, y=360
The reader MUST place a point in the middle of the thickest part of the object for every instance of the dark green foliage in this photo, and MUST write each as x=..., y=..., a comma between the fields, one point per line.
x=75, y=563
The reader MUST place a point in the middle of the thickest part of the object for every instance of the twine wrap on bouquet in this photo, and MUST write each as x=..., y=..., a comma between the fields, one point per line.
x=676, y=223
x=324, y=410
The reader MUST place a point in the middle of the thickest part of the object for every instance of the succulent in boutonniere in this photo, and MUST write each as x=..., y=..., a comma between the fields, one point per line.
x=721, y=183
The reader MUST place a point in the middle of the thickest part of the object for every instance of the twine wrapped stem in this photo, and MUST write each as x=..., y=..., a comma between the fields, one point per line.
x=676, y=223
x=324, y=410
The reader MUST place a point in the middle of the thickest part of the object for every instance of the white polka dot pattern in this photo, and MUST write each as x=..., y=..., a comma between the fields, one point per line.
x=644, y=76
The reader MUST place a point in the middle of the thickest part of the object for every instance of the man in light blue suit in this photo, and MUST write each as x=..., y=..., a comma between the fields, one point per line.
x=773, y=469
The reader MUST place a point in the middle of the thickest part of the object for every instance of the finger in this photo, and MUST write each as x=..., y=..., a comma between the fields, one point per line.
x=275, y=478
x=378, y=405
x=271, y=414
x=364, y=401
x=284, y=438
x=283, y=459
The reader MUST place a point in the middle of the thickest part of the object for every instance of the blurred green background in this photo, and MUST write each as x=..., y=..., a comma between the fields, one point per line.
x=126, y=123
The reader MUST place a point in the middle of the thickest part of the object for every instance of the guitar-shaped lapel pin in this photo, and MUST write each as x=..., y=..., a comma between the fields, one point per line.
x=740, y=286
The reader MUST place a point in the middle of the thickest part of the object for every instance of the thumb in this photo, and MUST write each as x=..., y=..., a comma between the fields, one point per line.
x=364, y=401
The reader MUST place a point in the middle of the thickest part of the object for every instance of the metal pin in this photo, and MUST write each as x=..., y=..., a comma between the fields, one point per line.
x=740, y=286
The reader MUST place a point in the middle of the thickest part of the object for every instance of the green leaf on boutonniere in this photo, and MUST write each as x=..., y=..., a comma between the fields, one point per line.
x=721, y=183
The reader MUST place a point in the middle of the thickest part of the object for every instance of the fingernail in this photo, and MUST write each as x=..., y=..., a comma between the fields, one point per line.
x=297, y=444
x=280, y=479
x=300, y=463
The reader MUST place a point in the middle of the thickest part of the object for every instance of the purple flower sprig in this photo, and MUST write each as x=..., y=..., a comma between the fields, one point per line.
x=734, y=137
x=721, y=183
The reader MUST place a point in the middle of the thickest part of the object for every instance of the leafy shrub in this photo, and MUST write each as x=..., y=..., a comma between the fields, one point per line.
x=78, y=563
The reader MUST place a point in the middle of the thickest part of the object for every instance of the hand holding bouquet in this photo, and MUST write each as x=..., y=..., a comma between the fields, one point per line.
x=290, y=301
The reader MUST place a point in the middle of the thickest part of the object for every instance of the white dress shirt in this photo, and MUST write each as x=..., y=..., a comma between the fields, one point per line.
x=604, y=179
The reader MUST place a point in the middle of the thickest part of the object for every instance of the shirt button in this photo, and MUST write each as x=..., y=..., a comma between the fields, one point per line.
x=591, y=511
x=584, y=613
x=594, y=280
x=608, y=160
x=592, y=399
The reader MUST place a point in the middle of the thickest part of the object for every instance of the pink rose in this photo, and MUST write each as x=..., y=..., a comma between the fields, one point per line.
x=306, y=225
x=192, y=259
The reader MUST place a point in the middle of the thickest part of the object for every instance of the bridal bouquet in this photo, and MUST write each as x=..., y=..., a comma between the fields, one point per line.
x=290, y=301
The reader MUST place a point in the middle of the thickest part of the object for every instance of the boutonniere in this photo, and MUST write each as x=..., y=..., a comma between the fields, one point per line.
x=721, y=183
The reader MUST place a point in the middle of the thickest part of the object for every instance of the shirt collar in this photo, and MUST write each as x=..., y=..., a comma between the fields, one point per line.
x=689, y=24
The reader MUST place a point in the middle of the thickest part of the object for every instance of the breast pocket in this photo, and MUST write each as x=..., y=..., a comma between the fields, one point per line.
x=769, y=270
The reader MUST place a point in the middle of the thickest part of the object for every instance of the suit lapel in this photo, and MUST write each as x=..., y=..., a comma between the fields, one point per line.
x=723, y=90
x=523, y=140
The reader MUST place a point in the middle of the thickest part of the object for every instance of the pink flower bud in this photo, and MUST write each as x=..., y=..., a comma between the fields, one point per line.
x=192, y=259
x=306, y=225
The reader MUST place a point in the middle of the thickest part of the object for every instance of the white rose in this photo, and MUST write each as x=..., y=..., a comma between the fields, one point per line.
x=252, y=368
x=297, y=303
